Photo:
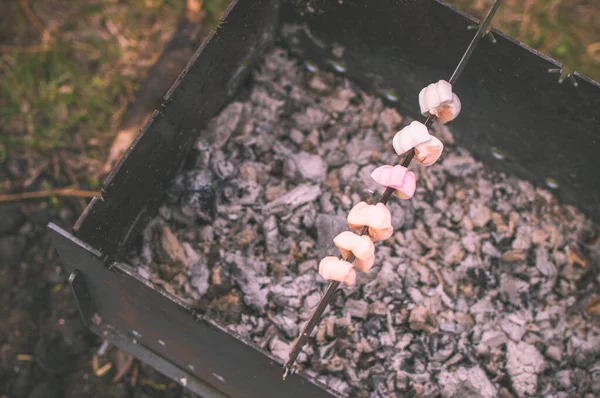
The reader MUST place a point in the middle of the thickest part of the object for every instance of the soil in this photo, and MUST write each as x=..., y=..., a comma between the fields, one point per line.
x=45, y=352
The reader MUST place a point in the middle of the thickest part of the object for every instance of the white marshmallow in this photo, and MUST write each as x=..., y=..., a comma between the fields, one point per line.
x=439, y=100
x=339, y=270
x=429, y=152
x=361, y=246
x=409, y=137
x=434, y=96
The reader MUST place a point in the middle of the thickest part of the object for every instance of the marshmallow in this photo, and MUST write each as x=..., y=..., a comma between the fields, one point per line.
x=339, y=270
x=434, y=96
x=409, y=137
x=439, y=100
x=376, y=217
x=397, y=177
x=429, y=152
x=361, y=246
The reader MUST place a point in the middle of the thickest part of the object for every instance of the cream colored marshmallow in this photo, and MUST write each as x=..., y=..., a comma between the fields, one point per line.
x=332, y=268
x=409, y=137
x=376, y=217
x=361, y=246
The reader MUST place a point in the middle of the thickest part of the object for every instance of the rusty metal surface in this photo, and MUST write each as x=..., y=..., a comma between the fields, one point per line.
x=137, y=184
x=511, y=102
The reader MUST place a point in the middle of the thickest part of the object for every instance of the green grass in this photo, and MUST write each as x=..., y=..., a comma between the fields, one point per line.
x=62, y=97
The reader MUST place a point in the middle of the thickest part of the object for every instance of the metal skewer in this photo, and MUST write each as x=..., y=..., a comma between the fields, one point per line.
x=333, y=285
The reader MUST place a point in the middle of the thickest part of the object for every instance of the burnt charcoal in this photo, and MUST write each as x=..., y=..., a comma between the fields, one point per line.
x=484, y=272
x=543, y=263
x=271, y=235
x=279, y=348
x=524, y=363
x=514, y=326
x=223, y=126
x=466, y=383
x=199, y=198
x=311, y=167
x=287, y=325
x=170, y=250
x=360, y=150
x=300, y=195
x=348, y=173
x=328, y=227
x=336, y=158
x=356, y=308
x=595, y=378
x=564, y=378
x=480, y=214
x=246, y=273
x=222, y=168
x=199, y=276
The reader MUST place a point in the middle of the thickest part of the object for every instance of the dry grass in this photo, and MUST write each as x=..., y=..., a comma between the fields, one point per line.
x=68, y=72
x=566, y=30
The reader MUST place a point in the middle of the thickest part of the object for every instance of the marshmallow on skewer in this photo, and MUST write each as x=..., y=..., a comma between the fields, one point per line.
x=376, y=217
x=434, y=96
x=397, y=177
x=339, y=270
x=361, y=246
x=409, y=137
x=429, y=152
x=439, y=100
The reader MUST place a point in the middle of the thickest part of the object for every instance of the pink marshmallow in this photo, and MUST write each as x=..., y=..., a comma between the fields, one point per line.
x=397, y=177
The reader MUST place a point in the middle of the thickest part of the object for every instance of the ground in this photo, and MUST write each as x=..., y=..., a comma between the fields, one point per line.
x=67, y=75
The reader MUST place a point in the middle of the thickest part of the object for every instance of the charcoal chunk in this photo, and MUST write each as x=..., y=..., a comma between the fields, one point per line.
x=466, y=383
x=328, y=227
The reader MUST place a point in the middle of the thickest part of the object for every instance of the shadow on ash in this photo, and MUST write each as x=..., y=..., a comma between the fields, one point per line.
x=201, y=256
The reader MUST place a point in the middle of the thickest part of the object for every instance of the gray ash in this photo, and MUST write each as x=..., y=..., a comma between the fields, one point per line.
x=487, y=287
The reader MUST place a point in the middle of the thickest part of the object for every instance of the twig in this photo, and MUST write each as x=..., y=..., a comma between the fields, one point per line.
x=35, y=171
x=22, y=49
x=100, y=371
x=73, y=192
x=134, y=375
x=123, y=371
x=31, y=15
x=71, y=176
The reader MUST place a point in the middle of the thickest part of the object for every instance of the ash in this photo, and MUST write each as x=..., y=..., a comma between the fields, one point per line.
x=487, y=288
